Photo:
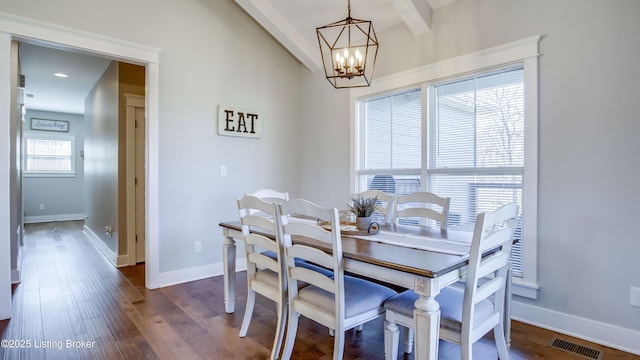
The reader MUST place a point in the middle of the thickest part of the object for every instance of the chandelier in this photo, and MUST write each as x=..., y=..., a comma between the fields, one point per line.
x=349, y=49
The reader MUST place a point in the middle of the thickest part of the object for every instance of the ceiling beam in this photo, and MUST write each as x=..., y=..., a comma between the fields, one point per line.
x=415, y=13
x=284, y=31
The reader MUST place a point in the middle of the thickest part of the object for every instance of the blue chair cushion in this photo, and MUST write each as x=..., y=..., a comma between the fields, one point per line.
x=314, y=267
x=360, y=296
x=450, y=300
x=271, y=254
x=301, y=263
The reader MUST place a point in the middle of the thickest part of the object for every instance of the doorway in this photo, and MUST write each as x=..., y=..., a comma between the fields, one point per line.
x=92, y=101
x=21, y=29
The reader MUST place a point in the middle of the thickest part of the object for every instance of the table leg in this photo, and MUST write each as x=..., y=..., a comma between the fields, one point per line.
x=229, y=267
x=507, y=309
x=426, y=317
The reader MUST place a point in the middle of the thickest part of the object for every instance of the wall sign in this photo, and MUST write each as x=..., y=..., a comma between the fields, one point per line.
x=234, y=122
x=49, y=125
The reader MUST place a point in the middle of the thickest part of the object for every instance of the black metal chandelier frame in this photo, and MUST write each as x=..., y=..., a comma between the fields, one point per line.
x=344, y=64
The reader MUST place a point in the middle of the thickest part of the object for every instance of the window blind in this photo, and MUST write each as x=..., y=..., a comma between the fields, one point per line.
x=476, y=148
x=390, y=153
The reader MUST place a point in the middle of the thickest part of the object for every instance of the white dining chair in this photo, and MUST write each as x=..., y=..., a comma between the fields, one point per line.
x=338, y=302
x=467, y=315
x=384, y=203
x=270, y=195
x=422, y=205
x=266, y=275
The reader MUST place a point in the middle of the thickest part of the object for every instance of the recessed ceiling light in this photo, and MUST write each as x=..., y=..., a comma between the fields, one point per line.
x=62, y=75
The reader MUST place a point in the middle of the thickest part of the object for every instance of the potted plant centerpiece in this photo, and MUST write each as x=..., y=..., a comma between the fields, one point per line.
x=363, y=208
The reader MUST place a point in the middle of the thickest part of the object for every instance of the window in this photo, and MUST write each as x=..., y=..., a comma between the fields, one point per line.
x=471, y=137
x=390, y=157
x=49, y=155
x=476, y=147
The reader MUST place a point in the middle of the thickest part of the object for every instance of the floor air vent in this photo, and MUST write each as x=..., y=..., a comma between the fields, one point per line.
x=570, y=347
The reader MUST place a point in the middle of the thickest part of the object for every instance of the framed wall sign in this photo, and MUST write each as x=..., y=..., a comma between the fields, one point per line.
x=243, y=123
x=49, y=125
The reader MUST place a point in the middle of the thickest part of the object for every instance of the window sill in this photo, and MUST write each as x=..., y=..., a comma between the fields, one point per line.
x=524, y=289
x=49, y=175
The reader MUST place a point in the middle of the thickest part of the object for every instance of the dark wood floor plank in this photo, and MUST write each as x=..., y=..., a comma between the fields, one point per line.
x=192, y=306
x=136, y=348
x=155, y=305
x=31, y=324
x=116, y=317
x=233, y=346
x=164, y=340
x=99, y=334
x=12, y=329
x=70, y=291
x=85, y=347
x=73, y=313
x=56, y=326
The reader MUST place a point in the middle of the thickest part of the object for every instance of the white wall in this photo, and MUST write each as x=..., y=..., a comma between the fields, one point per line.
x=589, y=141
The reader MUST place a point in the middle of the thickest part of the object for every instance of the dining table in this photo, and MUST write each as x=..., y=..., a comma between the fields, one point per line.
x=414, y=257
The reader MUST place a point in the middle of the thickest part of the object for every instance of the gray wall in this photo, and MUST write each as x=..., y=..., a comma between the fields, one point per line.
x=589, y=139
x=101, y=157
x=62, y=197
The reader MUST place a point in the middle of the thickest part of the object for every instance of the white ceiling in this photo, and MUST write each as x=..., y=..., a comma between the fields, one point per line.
x=293, y=22
x=44, y=91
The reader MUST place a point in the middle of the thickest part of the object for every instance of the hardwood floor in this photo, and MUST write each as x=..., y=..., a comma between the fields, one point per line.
x=73, y=304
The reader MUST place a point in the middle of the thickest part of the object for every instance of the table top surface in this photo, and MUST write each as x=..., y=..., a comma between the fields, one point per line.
x=409, y=260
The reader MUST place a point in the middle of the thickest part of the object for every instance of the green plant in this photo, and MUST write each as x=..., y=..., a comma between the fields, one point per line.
x=363, y=206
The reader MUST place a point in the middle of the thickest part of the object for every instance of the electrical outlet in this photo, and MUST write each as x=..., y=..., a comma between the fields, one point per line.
x=108, y=230
x=197, y=247
x=634, y=299
x=41, y=206
x=223, y=170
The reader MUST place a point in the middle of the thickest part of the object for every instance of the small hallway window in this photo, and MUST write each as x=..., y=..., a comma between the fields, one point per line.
x=49, y=155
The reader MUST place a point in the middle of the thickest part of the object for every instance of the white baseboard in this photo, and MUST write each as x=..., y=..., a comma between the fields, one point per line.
x=196, y=273
x=122, y=260
x=597, y=332
x=15, y=273
x=51, y=218
x=116, y=260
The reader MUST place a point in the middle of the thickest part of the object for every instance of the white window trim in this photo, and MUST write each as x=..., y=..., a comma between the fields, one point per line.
x=53, y=136
x=524, y=51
